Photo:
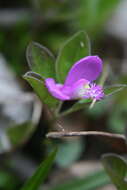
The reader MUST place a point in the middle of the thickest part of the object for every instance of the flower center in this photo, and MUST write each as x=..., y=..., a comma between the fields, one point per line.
x=82, y=92
x=90, y=90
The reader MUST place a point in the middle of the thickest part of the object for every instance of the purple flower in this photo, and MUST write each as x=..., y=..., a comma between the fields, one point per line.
x=79, y=81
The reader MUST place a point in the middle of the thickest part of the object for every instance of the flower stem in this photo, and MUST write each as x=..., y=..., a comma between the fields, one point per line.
x=92, y=104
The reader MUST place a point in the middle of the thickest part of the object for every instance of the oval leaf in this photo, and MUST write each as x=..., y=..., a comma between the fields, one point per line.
x=77, y=47
x=41, y=90
x=40, y=60
x=116, y=168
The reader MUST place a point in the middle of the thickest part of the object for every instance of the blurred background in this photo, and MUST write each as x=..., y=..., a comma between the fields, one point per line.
x=23, y=121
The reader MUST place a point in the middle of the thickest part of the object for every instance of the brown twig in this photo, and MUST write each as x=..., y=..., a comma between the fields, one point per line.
x=116, y=142
x=84, y=133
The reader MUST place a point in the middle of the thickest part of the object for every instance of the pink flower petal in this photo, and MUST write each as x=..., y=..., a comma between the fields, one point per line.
x=55, y=89
x=88, y=68
x=77, y=90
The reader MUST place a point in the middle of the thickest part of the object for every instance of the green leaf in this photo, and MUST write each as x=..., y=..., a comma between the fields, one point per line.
x=41, y=173
x=92, y=181
x=40, y=89
x=40, y=60
x=114, y=89
x=116, y=168
x=77, y=47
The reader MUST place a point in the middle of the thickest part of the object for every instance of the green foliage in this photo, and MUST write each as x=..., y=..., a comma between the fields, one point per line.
x=40, y=89
x=41, y=173
x=40, y=60
x=75, y=48
x=90, y=182
x=116, y=167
